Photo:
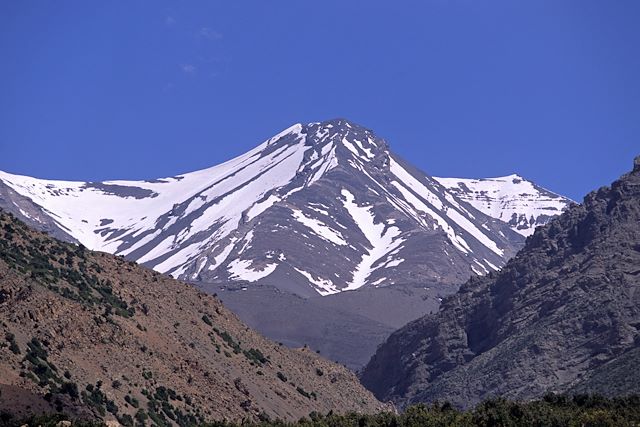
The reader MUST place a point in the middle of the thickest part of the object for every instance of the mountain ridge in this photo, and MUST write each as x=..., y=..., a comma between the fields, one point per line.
x=561, y=316
x=333, y=189
x=513, y=199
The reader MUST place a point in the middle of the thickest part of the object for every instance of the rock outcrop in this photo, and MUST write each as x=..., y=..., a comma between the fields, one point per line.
x=562, y=316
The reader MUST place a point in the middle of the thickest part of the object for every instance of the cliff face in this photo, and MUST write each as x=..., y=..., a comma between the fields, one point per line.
x=563, y=315
x=98, y=336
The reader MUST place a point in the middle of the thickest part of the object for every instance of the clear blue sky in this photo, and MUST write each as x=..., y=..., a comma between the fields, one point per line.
x=95, y=90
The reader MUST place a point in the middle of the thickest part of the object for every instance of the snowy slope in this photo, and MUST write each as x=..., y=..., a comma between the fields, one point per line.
x=317, y=209
x=91, y=211
x=512, y=199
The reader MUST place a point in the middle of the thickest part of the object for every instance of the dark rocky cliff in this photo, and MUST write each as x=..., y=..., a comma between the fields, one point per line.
x=561, y=316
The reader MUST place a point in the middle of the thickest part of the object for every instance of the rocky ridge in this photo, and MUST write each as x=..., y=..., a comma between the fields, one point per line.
x=317, y=209
x=563, y=315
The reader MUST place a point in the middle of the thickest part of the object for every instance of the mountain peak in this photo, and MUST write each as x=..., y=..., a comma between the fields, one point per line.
x=515, y=176
x=318, y=208
x=324, y=136
x=339, y=122
x=347, y=140
x=513, y=199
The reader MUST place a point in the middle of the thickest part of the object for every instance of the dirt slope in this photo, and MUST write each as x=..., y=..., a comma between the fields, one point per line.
x=97, y=335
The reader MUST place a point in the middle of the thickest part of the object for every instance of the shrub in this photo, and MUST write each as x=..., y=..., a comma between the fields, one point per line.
x=13, y=345
x=132, y=401
x=71, y=389
x=255, y=355
x=303, y=392
x=206, y=320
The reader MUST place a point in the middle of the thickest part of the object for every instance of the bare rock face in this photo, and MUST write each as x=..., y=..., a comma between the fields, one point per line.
x=562, y=316
x=101, y=337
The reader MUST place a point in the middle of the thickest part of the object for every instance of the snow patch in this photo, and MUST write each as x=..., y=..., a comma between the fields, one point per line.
x=379, y=281
x=319, y=228
x=241, y=270
x=262, y=206
x=223, y=255
x=367, y=151
x=323, y=286
x=393, y=263
x=382, y=239
x=456, y=240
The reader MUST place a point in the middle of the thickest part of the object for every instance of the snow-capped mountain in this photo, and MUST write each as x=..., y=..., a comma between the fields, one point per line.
x=519, y=202
x=317, y=209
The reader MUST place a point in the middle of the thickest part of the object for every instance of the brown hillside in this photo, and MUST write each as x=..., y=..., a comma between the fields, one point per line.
x=96, y=335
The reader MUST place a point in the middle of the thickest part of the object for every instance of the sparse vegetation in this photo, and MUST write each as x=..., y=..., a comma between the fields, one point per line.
x=13, y=345
x=91, y=290
x=303, y=392
x=228, y=339
x=45, y=373
x=552, y=410
x=161, y=410
x=559, y=411
x=254, y=355
x=94, y=397
x=61, y=267
x=206, y=320
x=132, y=401
x=51, y=420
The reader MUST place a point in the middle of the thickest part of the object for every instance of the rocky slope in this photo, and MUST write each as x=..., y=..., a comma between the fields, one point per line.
x=563, y=315
x=99, y=336
x=346, y=327
x=315, y=210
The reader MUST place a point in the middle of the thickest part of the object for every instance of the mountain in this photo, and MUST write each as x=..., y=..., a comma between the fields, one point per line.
x=563, y=316
x=346, y=327
x=315, y=210
x=98, y=336
x=522, y=204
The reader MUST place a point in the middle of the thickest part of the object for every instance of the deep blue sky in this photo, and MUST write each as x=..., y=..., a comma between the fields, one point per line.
x=95, y=90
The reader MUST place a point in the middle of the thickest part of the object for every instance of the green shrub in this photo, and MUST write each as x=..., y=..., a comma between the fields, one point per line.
x=303, y=392
x=206, y=320
x=132, y=401
x=13, y=345
x=255, y=355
